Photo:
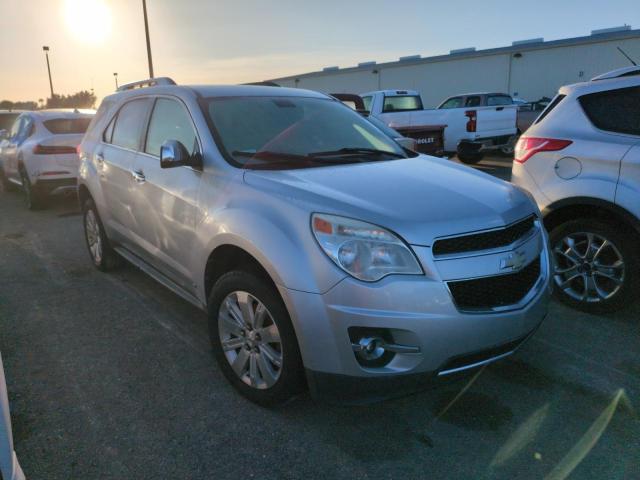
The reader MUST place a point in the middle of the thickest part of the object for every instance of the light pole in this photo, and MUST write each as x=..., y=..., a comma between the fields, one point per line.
x=146, y=31
x=115, y=75
x=46, y=54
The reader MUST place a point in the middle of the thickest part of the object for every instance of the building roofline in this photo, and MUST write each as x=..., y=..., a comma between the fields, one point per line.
x=525, y=47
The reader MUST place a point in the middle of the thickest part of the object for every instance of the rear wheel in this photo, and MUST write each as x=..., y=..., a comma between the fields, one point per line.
x=253, y=339
x=104, y=257
x=595, y=266
x=470, y=158
x=509, y=148
x=32, y=198
x=7, y=186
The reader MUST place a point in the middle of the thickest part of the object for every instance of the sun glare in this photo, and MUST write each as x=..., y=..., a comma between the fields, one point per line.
x=88, y=20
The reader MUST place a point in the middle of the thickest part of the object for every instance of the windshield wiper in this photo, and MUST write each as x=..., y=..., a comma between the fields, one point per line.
x=316, y=158
x=357, y=151
x=266, y=155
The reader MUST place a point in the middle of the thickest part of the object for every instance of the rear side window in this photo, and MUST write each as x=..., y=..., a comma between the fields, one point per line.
x=170, y=121
x=402, y=103
x=554, y=103
x=455, y=102
x=129, y=123
x=473, y=101
x=614, y=110
x=494, y=100
x=60, y=126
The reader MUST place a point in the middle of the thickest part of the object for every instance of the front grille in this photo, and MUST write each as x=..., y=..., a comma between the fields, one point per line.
x=487, y=293
x=486, y=240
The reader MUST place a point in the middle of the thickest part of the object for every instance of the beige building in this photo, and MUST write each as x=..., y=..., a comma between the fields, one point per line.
x=528, y=69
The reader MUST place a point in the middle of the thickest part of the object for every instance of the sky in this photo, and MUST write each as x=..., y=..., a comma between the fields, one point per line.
x=235, y=41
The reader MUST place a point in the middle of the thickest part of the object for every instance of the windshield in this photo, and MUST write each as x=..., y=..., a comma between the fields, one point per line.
x=384, y=127
x=295, y=132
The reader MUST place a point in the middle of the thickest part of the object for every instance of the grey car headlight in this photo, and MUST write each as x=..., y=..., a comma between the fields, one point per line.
x=365, y=251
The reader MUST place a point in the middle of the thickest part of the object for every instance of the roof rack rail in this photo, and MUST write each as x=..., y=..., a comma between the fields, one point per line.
x=150, y=82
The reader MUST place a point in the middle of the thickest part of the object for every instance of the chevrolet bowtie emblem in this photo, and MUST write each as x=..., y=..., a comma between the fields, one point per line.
x=514, y=261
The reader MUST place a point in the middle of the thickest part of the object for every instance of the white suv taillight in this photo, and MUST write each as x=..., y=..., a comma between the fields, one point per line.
x=529, y=146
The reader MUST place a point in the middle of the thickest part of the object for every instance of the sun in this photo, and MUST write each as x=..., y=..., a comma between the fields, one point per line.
x=88, y=20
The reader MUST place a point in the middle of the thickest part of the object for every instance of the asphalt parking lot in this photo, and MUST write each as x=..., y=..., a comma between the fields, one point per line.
x=111, y=376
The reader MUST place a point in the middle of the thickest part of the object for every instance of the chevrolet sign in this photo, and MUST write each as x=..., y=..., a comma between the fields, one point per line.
x=514, y=261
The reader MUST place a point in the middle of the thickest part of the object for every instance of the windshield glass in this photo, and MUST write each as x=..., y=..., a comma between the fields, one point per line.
x=384, y=127
x=295, y=132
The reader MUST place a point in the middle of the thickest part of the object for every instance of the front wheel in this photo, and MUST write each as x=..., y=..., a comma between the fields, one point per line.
x=253, y=339
x=595, y=265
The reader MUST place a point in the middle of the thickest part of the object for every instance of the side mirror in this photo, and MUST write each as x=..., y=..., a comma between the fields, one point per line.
x=174, y=154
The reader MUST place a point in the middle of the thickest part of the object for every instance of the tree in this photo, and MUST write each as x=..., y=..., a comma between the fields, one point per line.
x=82, y=99
x=9, y=105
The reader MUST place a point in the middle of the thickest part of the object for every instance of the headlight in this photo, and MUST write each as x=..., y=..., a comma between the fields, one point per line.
x=367, y=252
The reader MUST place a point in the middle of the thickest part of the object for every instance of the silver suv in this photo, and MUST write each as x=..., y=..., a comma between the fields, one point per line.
x=324, y=253
x=581, y=161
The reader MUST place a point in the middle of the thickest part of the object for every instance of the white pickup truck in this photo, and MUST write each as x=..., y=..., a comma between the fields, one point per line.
x=475, y=122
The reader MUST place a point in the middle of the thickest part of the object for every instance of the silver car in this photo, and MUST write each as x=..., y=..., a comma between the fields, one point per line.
x=325, y=255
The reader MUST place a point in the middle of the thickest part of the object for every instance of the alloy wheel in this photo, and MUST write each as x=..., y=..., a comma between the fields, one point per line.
x=94, y=240
x=26, y=186
x=250, y=340
x=588, y=267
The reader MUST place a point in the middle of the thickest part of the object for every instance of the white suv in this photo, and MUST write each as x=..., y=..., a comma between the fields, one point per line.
x=581, y=161
x=40, y=154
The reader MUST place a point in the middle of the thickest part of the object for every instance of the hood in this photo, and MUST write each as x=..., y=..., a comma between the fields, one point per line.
x=420, y=199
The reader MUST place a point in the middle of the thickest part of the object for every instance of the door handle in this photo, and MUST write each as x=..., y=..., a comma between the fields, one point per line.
x=138, y=176
x=99, y=159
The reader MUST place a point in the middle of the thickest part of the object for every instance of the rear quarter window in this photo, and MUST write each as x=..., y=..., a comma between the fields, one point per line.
x=614, y=110
x=104, y=108
x=367, y=102
x=61, y=126
x=554, y=103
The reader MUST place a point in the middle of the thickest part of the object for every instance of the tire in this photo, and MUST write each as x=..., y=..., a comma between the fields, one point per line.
x=470, y=158
x=32, y=198
x=103, y=256
x=259, y=377
x=589, y=276
x=508, y=149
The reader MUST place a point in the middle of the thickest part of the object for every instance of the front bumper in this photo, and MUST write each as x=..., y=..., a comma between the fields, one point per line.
x=348, y=389
x=416, y=311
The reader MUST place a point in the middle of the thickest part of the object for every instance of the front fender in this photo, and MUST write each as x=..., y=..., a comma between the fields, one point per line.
x=282, y=242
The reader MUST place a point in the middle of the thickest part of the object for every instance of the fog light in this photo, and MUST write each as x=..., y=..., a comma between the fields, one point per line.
x=375, y=347
x=372, y=348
